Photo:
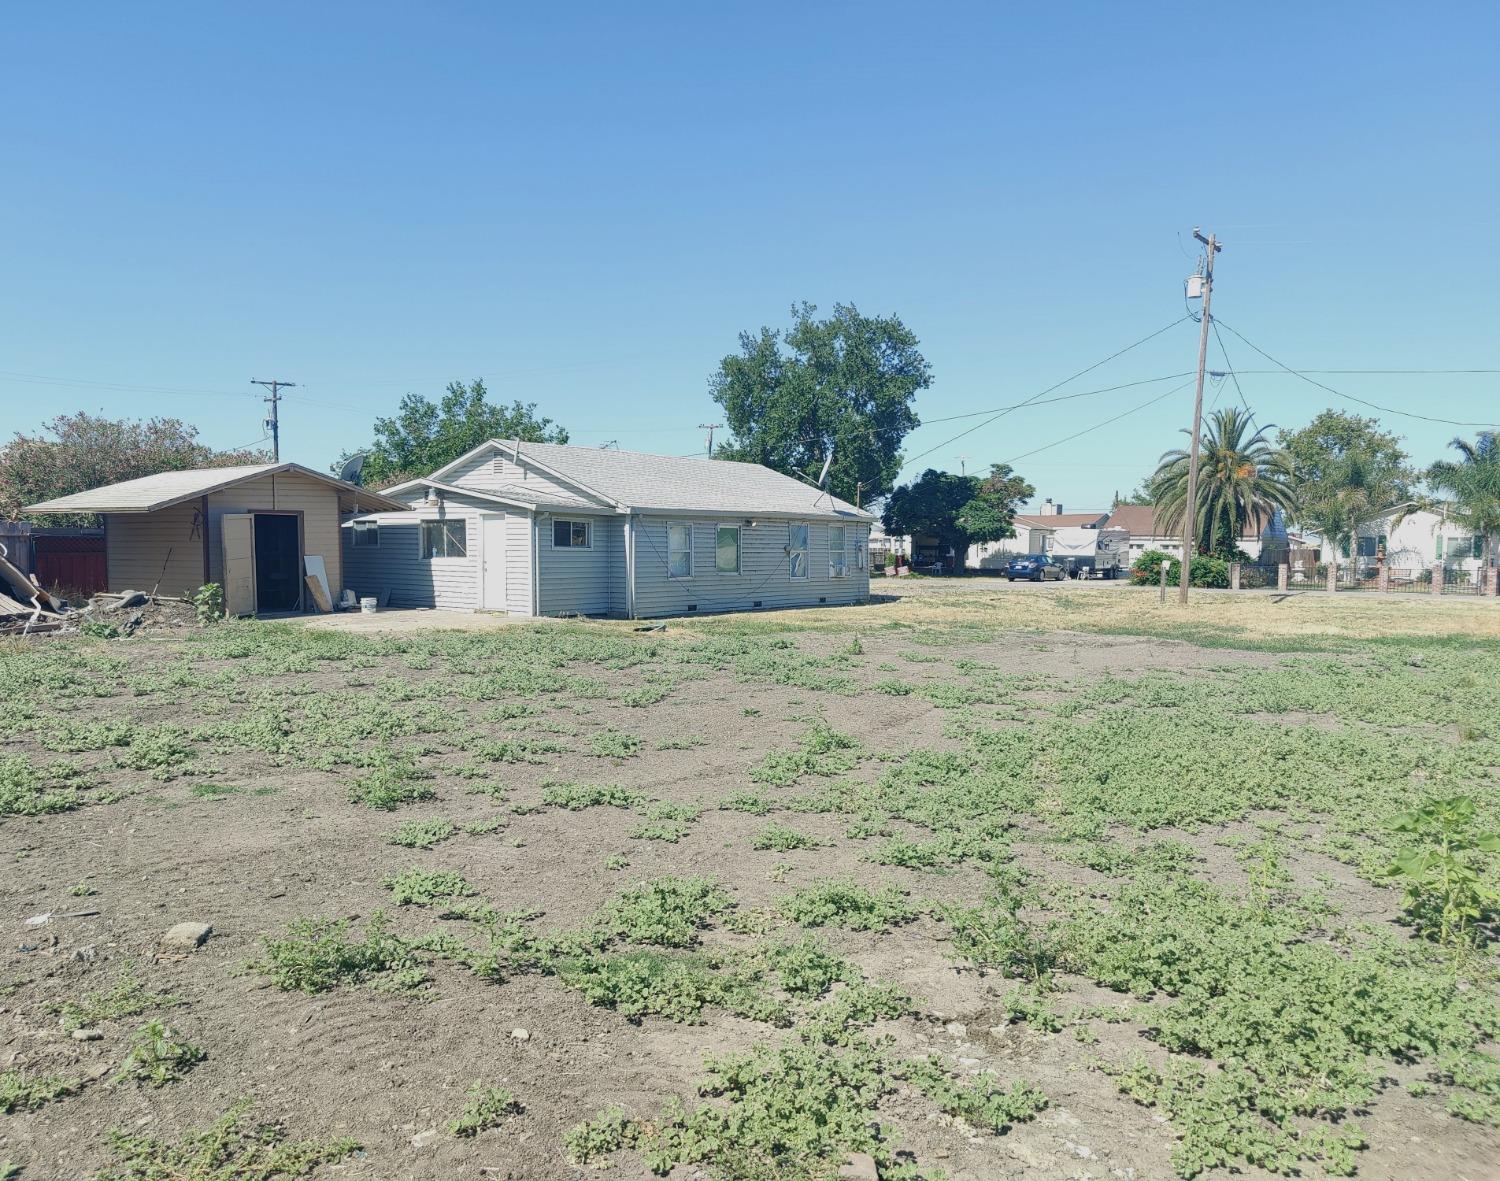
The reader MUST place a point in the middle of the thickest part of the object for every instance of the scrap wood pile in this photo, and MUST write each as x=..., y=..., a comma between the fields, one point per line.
x=28, y=609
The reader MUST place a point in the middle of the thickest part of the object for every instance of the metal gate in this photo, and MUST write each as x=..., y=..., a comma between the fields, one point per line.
x=1458, y=580
x=1413, y=581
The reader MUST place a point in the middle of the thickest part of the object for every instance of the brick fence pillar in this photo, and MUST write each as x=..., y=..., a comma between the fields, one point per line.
x=1333, y=578
x=1234, y=576
x=1437, y=579
x=1491, y=580
x=1383, y=578
x=1283, y=576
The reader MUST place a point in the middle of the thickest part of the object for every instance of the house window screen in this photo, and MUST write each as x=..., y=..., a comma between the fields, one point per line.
x=679, y=551
x=838, y=551
x=366, y=533
x=727, y=549
x=444, y=539
x=571, y=535
x=797, y=551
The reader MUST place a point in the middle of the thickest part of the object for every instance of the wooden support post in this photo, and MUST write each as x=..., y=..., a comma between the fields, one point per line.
x=1234, y=576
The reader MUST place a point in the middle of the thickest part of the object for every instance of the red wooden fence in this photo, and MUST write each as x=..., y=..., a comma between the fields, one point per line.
x=71, y=563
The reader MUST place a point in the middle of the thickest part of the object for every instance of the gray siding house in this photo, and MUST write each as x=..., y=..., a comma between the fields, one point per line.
x=545, y=529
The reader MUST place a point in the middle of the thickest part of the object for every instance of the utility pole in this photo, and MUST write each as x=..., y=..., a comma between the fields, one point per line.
x=273, y=423
x=963, y=465
x=1190, y=507
x=710, y=427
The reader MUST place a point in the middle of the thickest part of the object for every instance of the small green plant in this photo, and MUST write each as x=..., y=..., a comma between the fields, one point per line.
x=781, y=839
x=980, y=1101
x=577, y=796
x=591, y=1141
x=1445, y=895
x=420, y=887
x=82, y=890
x=613, y=744
x=232, y=1149
x=22, y=1092
x=128, y=997
x=845, y=904
x=158, y=1055
x=99, y=629
x=392, y=783
x=316, y=955
x=208, y=601
x=422, y=834
x=486, y=1107
x=616, y=862
x=668, y=911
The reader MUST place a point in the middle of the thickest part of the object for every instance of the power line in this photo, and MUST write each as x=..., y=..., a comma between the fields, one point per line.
x=1237, y=388
x=1042, y=393
x=1099, y=425
x=1352, y=397
x=78, y=383
x=1109, y=389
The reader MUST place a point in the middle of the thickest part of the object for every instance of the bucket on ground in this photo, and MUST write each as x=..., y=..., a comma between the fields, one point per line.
x=369, y=606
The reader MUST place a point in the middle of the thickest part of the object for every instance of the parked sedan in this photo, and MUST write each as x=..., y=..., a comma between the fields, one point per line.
x=1037, y=567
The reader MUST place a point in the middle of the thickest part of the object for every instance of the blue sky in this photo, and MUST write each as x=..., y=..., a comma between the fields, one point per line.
x=585, y=204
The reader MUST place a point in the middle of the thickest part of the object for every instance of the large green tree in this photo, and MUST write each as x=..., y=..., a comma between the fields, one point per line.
x=990, y=514
x=1470, y=488
x=1346, y=471
x=76, y=452
x=423, y=435
x=842, y=386
x=1242, y=480
x=930, y=505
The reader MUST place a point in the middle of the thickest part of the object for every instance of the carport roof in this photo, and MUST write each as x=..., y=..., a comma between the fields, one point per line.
x=147, y=494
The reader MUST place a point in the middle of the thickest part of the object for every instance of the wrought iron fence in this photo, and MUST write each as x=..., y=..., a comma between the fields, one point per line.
x=1414, y=581
x=1458, y=580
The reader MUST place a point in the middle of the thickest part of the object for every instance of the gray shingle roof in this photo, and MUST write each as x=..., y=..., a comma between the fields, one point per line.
x=661, y=482
x=149, y=493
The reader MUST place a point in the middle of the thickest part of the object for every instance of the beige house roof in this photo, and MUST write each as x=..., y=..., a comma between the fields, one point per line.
x=1140, y=520
x=147, y=494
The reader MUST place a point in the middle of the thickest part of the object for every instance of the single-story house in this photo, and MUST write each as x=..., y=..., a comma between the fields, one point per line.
x=1145, y=534
x=250, y=528
x=546, y=529
x=1032, y=533
x=1408, y=538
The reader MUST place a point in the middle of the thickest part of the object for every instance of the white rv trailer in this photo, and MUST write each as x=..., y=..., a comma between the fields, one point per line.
x=1091, y=553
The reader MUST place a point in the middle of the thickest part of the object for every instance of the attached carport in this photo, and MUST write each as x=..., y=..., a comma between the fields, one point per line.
x=252, y=529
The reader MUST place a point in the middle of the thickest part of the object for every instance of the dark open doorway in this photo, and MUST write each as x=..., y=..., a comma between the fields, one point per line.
x=278, y=562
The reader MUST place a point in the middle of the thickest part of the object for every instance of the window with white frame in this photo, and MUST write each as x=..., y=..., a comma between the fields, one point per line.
x=572, y=534
x=679, y=550
x=838, y=551
x=727, y=549
x=444, y=539
x=366, y=533
x=796, y=549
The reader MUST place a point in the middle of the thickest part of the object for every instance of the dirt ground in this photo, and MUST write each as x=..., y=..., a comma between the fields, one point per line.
x=251, y=841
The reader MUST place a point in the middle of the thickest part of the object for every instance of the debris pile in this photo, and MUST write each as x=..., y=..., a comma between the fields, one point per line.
x=27, y=609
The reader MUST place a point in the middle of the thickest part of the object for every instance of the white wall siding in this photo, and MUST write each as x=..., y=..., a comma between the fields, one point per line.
x=493, y=472
x=397, y=564
x=518, y=580
x=575, y=581
x=619, y=591
x=764, y=579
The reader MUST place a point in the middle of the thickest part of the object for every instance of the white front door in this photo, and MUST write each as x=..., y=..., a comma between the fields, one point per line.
x=492, y=563
x=237, y=534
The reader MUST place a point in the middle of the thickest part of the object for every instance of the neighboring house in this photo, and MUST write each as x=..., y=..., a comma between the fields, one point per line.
x=545, y=529
x=248, y=528
x=1416, y=541
x=1145, y=534
x=1033, y=533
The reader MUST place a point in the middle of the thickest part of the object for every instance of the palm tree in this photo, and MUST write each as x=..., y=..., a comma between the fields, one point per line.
x=1242, y=479
x=1471, y=487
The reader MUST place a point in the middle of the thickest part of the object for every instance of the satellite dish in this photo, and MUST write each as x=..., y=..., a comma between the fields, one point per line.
x=352, y=468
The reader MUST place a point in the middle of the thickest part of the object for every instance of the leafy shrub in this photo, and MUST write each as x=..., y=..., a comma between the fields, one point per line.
x=392, y=783
x=315, y=955
x=979, y=1101
x=208, y=600
x=1206, y=570
x=25, y=791
x=846, y=904
x=485, y=1107
x=422, y=834
x=22, y=1092
x=667, y=911
x=782, y=839
x=420, y=887
x=158, y=1055
x=1440, y=870
x=577, y=796
x=229, y=1150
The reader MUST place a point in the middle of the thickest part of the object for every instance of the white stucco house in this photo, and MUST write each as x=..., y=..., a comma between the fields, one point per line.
x=546, y=529
x=1413, y=539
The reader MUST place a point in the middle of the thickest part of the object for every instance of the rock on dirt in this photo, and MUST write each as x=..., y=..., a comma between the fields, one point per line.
x=859, y=1166
x=520, y=1035
x=187, y=936
x=424, y=1139
x=88, y=1035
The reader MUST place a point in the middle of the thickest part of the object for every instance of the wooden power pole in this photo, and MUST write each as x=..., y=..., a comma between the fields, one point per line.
x=1190, y=506
x=273, y=422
